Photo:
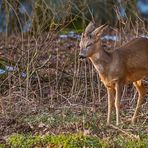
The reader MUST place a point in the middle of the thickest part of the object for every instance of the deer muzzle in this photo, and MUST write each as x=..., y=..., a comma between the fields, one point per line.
x=83, y=53
x=81, y=56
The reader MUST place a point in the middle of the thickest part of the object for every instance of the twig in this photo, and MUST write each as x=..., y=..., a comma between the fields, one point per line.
x=132, y=136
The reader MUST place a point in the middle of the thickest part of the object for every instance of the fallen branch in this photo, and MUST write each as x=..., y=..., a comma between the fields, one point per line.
x=130, y=135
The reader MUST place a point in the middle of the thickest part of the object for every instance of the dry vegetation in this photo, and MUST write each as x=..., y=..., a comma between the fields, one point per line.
x=59, y=94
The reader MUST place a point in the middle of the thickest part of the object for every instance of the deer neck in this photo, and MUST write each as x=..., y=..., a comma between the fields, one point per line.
x=101, y=60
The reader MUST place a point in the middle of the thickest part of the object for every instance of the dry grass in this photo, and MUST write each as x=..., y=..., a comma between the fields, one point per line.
x=60, y=93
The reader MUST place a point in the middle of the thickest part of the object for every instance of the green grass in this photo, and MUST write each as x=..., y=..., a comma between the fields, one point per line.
x=64, y=120
x=80, y=128
x=2, y=146
x=65, y=141
x=74, y=141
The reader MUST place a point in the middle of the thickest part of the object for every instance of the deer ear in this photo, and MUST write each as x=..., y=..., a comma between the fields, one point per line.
x=90, y=27
x=99, y=31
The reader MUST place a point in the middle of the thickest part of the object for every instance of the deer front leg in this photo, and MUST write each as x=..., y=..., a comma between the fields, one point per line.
x=111, y=98
x=118, y=88
x=141, y=92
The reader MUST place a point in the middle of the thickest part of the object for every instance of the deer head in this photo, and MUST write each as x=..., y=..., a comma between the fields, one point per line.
x=89, y=39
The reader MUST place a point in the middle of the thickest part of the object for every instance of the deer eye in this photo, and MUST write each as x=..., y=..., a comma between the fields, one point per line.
x=88, y=45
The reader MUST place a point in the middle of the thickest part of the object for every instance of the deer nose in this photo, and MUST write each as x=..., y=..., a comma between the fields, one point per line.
x=81, y=56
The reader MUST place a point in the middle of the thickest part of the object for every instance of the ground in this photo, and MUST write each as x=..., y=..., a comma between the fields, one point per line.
x=60, y=94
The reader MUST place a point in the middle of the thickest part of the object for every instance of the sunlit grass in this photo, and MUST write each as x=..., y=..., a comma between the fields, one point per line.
x=73, y=141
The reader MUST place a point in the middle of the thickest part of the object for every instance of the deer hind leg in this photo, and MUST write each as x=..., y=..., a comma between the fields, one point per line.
x=111, y=98
x=141, y=94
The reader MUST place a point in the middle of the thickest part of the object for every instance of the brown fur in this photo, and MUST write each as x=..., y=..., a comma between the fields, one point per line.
x=128, y=63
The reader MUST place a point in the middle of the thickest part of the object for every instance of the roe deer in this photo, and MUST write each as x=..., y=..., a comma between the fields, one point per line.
x=128, y=63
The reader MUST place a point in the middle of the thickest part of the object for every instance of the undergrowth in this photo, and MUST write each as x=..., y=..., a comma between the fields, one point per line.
x=55, y=79
x=73, y=141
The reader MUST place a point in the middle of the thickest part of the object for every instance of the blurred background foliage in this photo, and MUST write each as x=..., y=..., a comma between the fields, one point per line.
x=43, y=15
